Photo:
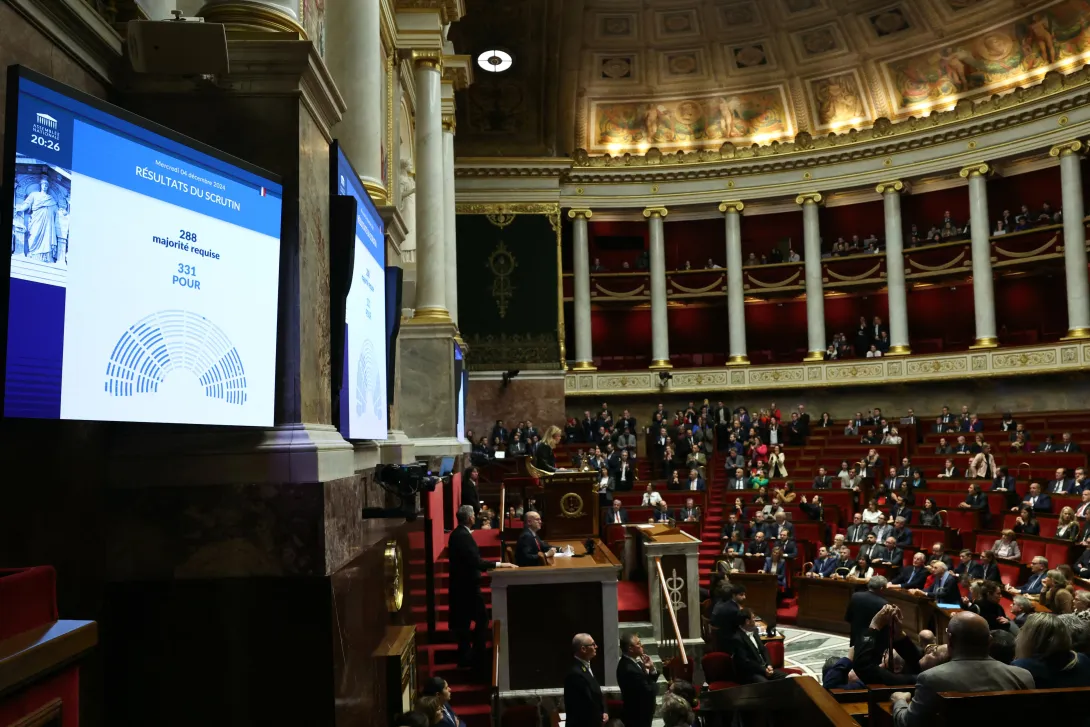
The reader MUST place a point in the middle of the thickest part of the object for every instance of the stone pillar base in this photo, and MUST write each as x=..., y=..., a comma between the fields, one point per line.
x=661, y=364
x=815, y=356
x=584, y=366
x=738, y=361
x=898, y=351
x=427, y=407
x=987, y=342
x=1077, y=334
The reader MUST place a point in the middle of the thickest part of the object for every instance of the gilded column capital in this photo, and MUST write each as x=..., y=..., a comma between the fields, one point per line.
x=809, y=198
x=893, y=186
x=734, y=206
x=272, y=16
x=1068, y=147
x=580, y=213
x=980, y=169
x=655, y=212
x=450, y=123
x=428, y=58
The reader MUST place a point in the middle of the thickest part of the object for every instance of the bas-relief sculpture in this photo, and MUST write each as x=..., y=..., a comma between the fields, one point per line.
x=667, y=123
x=993, y=61
x=407, y=205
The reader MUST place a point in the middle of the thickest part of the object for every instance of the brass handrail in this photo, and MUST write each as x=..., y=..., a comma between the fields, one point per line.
x=670, y=609
x=494, y=697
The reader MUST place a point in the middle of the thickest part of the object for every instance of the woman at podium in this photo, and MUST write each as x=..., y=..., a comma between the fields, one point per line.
x=544, y=459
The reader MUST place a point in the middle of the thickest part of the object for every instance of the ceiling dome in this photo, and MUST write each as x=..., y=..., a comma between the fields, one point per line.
x=696, y=74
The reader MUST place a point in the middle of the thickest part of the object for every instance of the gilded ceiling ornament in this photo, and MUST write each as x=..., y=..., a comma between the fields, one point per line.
x=502, y=263
x=501, y=219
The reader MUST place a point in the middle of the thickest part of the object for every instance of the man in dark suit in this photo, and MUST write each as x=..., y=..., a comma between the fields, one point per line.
x=889, y=553
x=914, y=577
x=466, y=602
x=900, y=530
x=1067, y=445
x=530, y=549
x=617, y=515
x=690, y=513
x=582, y=696
x=637, y=679
x=869, y=549
x=730, y=601
x=1059, y=485
x=758, y=546
x=863, y=605
x=1036, y=500
x=944, y=585
x=750, y=658
x=823, y=481
x=857, y=531
x=732, y=526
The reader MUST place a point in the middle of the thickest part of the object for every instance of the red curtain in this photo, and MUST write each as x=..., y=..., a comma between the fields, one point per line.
x=613, y=259
x=761, y=233
x=861, y=219
x=941, y=318
x=695, y=241
x=1032, y=188
x=925, y=210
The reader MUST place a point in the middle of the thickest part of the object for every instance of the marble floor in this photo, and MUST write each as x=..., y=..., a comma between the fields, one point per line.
x=808, y=650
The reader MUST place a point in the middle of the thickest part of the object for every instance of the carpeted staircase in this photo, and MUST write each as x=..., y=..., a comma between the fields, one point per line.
x=437, y=655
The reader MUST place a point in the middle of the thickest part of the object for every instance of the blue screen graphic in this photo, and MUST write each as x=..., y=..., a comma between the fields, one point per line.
x=144, y=272
x=364, y=413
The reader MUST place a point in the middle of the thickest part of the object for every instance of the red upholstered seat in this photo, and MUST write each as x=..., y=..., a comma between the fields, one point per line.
x=1031, y=549
x=614, y=707
x=27, y=599
x=718, y=670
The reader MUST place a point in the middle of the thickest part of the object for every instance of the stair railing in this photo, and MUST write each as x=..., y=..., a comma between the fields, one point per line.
x=670, y=649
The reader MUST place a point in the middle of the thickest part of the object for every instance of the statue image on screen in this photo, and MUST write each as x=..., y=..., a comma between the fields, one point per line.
x=39, y=232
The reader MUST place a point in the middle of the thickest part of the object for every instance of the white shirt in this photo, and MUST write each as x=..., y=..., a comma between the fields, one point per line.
x=871, y=517
x=586, y=665
x=616, y=517
x=693, y=484
x=651, y=498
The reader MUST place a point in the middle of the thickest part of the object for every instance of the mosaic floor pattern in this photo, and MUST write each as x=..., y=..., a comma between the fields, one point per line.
x=808, y=650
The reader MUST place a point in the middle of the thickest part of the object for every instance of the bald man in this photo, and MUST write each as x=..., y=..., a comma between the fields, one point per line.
x=969, y=669
x=583, y=699
x=530, y=549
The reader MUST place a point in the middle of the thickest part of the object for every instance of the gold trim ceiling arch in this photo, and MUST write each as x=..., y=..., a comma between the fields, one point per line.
x=691, y=75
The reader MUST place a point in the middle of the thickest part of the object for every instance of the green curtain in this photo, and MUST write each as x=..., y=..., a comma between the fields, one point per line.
x=508, y=293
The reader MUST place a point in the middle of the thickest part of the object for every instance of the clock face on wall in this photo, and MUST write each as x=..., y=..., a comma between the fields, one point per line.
x=394, y=566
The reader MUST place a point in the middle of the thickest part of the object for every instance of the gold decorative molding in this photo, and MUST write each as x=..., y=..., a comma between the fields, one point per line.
x=895, y=185
x=1077, y=334
x=458, y=71
x=431, y=315
x=428, y=58
x=738, y=361
x=450, y=11
x=809, y=198
x=1058, y=358
x=450, y=123
x=661, y=364
x=584, y=366
x=583, y=213
x=514, y=208
x=985, y=342
x=980, y=169
x=1070, y=147
x=656, y=212
x=898, y=351
x=734, y=206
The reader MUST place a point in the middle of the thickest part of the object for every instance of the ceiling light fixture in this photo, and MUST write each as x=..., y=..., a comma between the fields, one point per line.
x=495, y=61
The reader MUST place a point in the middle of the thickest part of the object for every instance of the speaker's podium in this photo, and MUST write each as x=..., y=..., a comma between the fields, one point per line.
x=541, y=608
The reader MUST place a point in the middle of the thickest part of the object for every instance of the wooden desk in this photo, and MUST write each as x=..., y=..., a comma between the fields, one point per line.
x=679, y=552
x=918, y=611
x=761, y=593
x=823, y=603
x=541, y=608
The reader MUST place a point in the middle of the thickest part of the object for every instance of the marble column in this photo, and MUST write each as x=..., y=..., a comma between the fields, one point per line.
x=895, y=268
x=431, y=281
x=450, y=217
x=275, y=15
x=736, y=297
x=1078, y=289
x=815, y=295
x=584, y=356
x=354, y=54
x=983, y=286
x=660, y=333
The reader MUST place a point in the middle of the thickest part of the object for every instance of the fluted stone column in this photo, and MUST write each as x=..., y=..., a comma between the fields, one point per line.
x=584, y=356
x=660, y=333
x=983, y=286
x=1078, y=289
x=895, y=268
x=431, y=280
x=450, y=217
x=736, y=296
x=354, y=48
x=815, y=295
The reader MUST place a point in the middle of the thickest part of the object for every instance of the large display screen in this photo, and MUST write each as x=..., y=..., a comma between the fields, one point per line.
x=144, y=268
x=363, y=393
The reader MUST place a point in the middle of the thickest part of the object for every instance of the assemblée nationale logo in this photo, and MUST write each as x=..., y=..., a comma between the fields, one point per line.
x=45, y=125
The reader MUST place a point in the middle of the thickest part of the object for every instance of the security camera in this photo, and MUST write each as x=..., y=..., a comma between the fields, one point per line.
x=179, y=47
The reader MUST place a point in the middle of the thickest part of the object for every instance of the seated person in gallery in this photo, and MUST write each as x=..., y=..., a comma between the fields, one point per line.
x=824, y=564
x=913, y=577
x=530, y=549
x=758, y=546
x=750, y=658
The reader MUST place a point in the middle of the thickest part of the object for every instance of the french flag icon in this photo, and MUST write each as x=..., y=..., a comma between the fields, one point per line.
x=262, y=191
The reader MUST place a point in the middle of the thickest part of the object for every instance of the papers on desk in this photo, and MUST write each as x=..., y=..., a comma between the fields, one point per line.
x=561, y=554
x=951, y=606
x=645, y=526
